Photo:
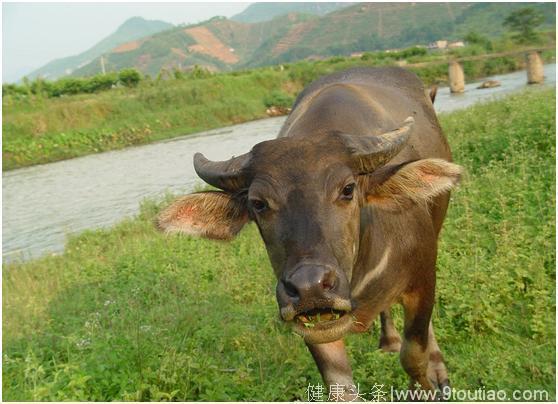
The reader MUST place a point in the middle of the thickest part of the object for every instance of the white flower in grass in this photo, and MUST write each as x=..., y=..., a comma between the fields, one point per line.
x=83, y=343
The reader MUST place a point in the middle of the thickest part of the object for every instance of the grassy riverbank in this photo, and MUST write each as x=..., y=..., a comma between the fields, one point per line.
x=128, y=314
x=38, y=129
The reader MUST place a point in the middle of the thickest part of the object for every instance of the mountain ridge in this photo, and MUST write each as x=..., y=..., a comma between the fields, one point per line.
x=221, y=44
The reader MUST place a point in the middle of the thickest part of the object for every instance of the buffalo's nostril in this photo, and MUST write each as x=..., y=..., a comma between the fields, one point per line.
x=328, y=282
x=290, y=289
x=309, y=283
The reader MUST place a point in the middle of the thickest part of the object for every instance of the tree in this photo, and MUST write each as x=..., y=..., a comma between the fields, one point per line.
x=523, y=22
x=474, y=38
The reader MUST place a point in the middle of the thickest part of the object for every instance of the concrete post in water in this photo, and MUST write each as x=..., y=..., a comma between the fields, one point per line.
x=535, y=71
x=456, y=77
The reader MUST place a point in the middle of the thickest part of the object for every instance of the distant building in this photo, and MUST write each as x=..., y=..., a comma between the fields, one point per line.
x=444, y=44
x=456, y=44
x=441, y=44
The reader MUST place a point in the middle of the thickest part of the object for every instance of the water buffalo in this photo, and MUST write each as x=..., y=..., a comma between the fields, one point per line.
x=349, y=200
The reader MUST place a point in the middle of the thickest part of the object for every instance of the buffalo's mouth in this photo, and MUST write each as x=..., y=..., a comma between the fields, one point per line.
x=323, y=317
x=322, y=325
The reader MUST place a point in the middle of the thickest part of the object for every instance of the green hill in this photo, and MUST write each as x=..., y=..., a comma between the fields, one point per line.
x=216, y=44
x=376, y=26
x=223, y=44
x=134, y=28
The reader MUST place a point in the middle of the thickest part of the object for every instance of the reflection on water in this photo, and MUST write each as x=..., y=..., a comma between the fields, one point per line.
x=42, y=204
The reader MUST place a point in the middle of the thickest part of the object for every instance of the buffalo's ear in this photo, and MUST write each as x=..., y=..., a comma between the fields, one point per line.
x=212, y=214
x=398, y=187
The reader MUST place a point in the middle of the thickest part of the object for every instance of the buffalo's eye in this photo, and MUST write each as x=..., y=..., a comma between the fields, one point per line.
x=347, y=192
x=258, y=205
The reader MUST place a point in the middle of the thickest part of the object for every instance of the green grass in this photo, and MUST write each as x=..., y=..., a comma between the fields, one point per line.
x=129, y=314
x=37, y=130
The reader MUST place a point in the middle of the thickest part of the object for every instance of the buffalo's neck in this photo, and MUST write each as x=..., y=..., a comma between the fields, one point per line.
x=388, y=242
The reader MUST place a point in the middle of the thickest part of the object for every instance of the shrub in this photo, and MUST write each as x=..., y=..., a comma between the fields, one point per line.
x=129, y=77
x=13, y=89
x=304, y=73
x=69, y=85
x=39, y=86
x=335, y=59
x=199, y=72
x=178, y=74
x=101, y=82
x=367, y=56
x=409, y=52
x=474, y=38
x=278, y=99
x=499, y=65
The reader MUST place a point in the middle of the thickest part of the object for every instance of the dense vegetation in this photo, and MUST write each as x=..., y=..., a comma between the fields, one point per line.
x=44, y=122
x=524, y=23
x=129, y=314
x=73, y=85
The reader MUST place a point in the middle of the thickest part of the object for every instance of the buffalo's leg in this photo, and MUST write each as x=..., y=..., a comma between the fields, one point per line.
x=437, y=372
x=390, y=341
x=414, y=355
x=333, y=364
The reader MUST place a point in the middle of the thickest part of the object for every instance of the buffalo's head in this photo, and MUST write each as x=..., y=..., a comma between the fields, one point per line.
x=305, y=194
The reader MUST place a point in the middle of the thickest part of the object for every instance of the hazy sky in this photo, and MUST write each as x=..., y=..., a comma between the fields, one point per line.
x=33, y=34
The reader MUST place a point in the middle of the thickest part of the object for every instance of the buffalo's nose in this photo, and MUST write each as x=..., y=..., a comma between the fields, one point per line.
x=310, y=283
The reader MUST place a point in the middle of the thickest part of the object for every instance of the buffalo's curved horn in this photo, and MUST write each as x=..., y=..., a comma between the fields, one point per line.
x=370, y=152
x=229, y=175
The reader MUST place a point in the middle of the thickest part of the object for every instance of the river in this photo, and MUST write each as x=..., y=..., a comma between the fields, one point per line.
x=43, y=204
